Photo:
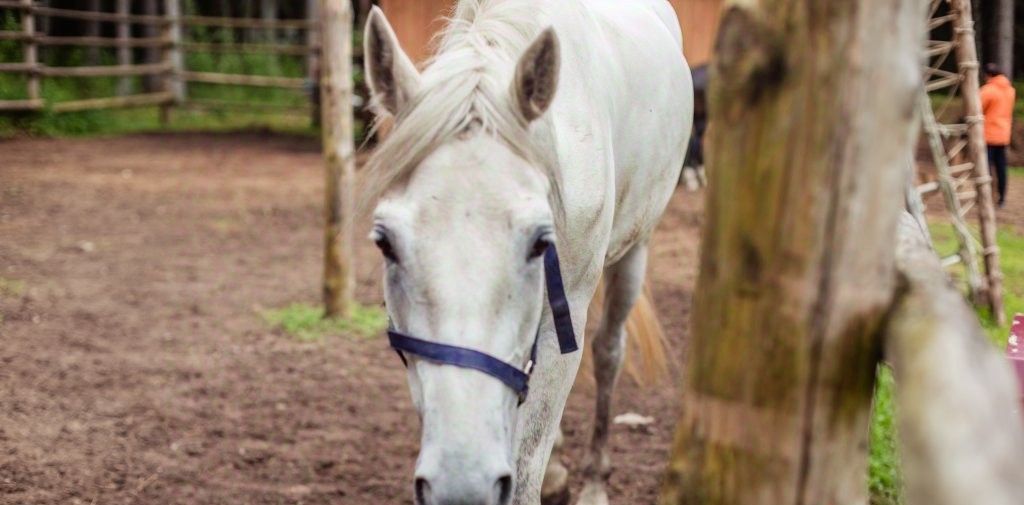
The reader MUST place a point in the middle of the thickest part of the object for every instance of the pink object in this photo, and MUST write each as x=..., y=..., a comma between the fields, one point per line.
x=1015, y=350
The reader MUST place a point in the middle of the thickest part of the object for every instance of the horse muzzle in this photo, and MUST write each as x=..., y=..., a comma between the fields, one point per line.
x=471, y=485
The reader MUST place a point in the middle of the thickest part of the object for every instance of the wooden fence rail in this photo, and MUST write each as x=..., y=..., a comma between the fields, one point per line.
x=170, y=70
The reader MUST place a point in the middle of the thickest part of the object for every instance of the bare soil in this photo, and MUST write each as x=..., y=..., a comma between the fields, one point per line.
x=135, y=366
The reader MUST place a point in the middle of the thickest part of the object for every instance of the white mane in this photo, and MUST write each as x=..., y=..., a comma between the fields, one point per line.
x=465, y=86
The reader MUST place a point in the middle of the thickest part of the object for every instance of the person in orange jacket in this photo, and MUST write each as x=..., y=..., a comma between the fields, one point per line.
x=997, y=97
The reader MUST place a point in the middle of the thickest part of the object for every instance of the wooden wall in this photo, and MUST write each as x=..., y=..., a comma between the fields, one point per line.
x=416, y=21
x=699, y=22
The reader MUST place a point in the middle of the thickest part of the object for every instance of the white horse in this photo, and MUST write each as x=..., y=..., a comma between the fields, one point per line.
x=538, y=122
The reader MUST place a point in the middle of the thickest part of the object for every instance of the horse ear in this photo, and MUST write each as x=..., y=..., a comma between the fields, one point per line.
x=390, y=74
x=536, y=79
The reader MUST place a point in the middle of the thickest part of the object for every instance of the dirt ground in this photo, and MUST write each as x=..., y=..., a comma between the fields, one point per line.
x=135, y=366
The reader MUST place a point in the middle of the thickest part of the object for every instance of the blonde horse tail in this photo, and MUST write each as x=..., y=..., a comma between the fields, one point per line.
x=646, y=345
x=646, y=348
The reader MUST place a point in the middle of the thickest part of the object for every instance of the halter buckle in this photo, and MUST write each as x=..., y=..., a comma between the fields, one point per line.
x=528, y=368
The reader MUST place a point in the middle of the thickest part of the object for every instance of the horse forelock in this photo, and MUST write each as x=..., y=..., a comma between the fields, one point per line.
x=465, y=87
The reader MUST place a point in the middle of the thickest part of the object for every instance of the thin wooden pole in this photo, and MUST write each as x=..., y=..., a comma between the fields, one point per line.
x=31, y=55
x=967, y=59
x=173, y=80
x=124, y=53
x=813, y=116
x=339, y=156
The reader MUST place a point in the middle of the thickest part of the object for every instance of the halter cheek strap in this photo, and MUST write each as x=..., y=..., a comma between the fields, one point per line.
x=513, y=377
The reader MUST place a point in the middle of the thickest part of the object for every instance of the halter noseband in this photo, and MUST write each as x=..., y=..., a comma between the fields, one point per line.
x=516, y=379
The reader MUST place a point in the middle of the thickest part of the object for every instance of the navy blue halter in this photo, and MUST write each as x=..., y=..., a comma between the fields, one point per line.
x=511, y=375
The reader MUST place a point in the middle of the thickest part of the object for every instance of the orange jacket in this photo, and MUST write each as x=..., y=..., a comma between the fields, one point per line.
x=997, y=96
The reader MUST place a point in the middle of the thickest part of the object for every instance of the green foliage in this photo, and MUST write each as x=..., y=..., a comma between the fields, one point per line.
x=307, y=322
x=1018, y=106
x=10, y=50
x=884, y=471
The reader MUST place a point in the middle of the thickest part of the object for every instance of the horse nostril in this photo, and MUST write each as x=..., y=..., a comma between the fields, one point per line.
x=422, y=491
x=503, y=489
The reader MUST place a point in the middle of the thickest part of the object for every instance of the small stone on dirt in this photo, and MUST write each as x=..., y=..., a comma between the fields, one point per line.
x=86, y=246
x=633, y=420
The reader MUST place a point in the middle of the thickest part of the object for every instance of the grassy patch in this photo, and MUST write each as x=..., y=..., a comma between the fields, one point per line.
x=884, y=478
x=1011, y=261
x=307, y=322
x=11, y=287
x=884, y=471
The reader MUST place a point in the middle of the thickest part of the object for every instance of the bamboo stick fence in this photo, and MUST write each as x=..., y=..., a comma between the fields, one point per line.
x=170, y=71
x=957, y=147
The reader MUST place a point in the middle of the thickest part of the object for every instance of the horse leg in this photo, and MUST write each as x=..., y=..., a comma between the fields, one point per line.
x=623, y=283
x=555, y=490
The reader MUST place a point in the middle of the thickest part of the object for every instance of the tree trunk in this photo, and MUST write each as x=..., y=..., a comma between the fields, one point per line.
x=124, y=53
x=92, y=29
x=339, y=156
x=268, y=12
x=813, y=115
x=1004, y=35
x=313, y=57
x=151, y=83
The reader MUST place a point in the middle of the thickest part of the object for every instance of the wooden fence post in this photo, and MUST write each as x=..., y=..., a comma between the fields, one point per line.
x=174, y=79
x=960, y=429
x=30, y=50
x=813, y=115
x=124, y=52
x=339, y=156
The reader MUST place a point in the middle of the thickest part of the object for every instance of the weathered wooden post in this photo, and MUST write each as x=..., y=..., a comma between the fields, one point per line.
x=339, y=155
x=30, y=49
x=813, y=107
x=174, y=78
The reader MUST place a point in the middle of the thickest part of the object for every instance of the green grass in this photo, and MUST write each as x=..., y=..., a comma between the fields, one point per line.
x=307, y=322
x=884, y=470
x=884, y=479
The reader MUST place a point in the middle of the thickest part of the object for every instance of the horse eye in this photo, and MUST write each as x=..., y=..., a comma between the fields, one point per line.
x=540, y=246
x=385, y=248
